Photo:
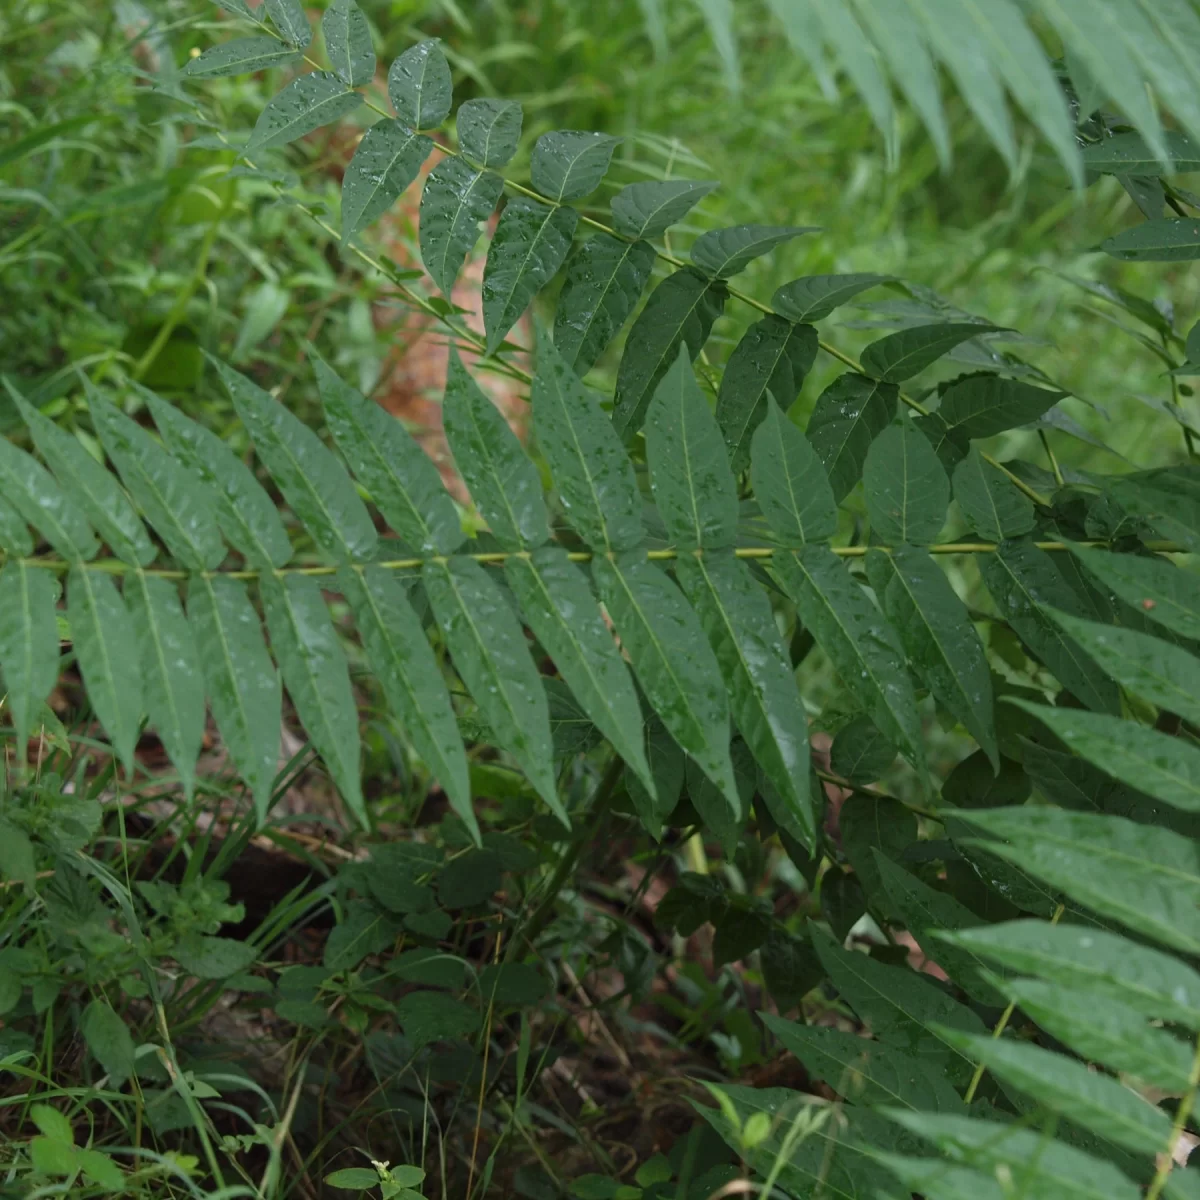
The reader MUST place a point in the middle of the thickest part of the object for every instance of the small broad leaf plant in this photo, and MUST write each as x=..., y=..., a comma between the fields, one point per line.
x=1054, y=876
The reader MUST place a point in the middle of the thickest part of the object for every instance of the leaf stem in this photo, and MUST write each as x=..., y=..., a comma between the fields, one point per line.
x=496, y=558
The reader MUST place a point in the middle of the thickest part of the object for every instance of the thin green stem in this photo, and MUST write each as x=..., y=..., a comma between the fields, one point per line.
x=497, y=558
x=1182, y=1112
x=1001, y=1026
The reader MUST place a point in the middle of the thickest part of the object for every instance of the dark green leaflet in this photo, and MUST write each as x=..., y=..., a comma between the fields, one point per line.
x=489, y=131
x=174, y=500
x=568, y=163
x=102, y=634
x=720, y=253
x=171, y=674
x=849, y=415
x=860, y=753
x=672, y=661
x=28, y=642
x=981, y=406
x=315, y=672
x=900, y=356
x=529, y=245
x=15, y=538
x=1166, y=767
x=1145, y=877
x=938, y=637
x=403, y=482
x=816, y=296
x=1045, y=1168
x=307, y=103
x=401, y=657
x=764, y=699
x=348, y=43
x=387, y=160
x=1166, y=593
x=934, y=1178
x=904, y=1009
x=1110, y=1033
x=242, y=56
x=1165, y=674
x=693, y=486
x=1022, y=579
x=668, y=766
x=771, y=360
x=311, y=479
x=37, y=496
x=906, y=488
x=420, y=87
x=860, y=644
x=560, y=609
x=1167, y=240
x=604, y=280
x=870, y=824
x=991, y=502
x=865, y=1071
x=243, y=688
x=90, y=486
x=789, y=481
x=591, y=470
x=288, y=17
x=245, y=513
x=501, y=477
x=1088, y=1098
x=645, y=210
x=1168, y=499
x=456, y=200
x=1128, y=154
x=681, y=309
x=491, y=655
x=924, y=909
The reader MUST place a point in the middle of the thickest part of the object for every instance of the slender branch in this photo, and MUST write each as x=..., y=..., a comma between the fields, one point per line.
x=1001, y=1025
x=497, y=558
x=1182, y=1112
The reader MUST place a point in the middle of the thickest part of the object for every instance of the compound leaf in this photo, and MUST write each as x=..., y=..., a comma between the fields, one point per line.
x=720, y=253
x=650, y=208
x=348, y=43
x=489, y=131
x=456, y=200
x=849, y=415
x=815, y=296
x=387, y=160
x=420, y=87
x=567, y=164
x=790, y=484
x=907, y=491
x=906, y=353
x=316, y=99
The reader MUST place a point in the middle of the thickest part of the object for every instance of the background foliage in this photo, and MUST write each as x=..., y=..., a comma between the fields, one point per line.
x=446, y=903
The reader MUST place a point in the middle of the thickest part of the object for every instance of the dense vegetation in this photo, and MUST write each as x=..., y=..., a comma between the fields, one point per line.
x=531, y=669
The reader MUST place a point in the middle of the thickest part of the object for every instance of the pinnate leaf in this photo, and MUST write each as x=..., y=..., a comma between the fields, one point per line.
x=849, y=415
x=502, y=479
x=241, y=56
x=456, y=200
x=569, y=163
x=771, y=360
x=814, y=297
x=489, y=131
x=650, y=208
x=311, y=479
x=420, y=87
x=907, y=491
x=403, y=482
x=288, y=17
x=981, y=406
x=901, y=355
x=316, y=99
x=491, y=654
x=693, y=485
x=991, y=502
x=680, y=311
x=348, y=43
x=243, y=688
x=789, y=481
x=721, y=253
x=171, y=672
x=591, y=470
x=604, y=280
x=1166, y=593
x=672, y=661
x=28, y=642
x=529, y=245
x=386, y=161
x=107, y=653
x=314, y=669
